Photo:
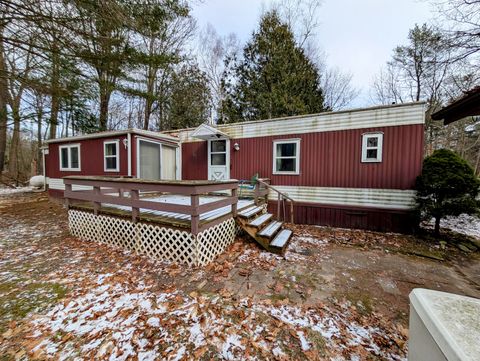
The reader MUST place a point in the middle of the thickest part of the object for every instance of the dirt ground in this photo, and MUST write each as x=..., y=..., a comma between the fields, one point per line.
x=337, y=294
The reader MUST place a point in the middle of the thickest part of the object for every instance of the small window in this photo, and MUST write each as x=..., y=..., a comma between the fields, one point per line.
x=70, y=157
x=111, y=156
x=372, y=147
x=218, y=152
x=286, y=156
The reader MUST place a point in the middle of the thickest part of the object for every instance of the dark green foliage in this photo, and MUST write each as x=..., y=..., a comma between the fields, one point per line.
x=190, y=98
x=275, y=78
x=447, y=186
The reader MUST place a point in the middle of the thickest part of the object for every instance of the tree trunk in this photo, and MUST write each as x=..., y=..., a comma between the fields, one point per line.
x=104, y=100
x=14, y=145
x=55, y=89
x=3, y=103
x=3, y=132
x=436, y=231
x=148, y=111
x=39, y=142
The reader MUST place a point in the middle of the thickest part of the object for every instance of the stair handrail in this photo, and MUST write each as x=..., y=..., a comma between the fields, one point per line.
x=282, y=196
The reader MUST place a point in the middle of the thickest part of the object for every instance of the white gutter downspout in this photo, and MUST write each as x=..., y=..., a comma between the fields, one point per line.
x=129, y=153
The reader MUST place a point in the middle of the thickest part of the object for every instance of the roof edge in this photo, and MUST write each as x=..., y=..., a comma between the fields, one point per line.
x=113, y=133
x=377, y=107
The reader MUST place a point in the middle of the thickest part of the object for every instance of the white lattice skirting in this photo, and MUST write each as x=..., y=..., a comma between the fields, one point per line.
x=168, y=244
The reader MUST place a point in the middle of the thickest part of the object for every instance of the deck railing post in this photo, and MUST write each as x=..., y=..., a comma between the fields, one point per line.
x=195, y=218
x=135, y=210
x=234, y=204
x=96, y=205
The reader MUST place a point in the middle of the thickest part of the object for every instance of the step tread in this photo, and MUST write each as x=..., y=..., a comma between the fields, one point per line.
x=246, y=213
x=271, y=229
x=281, y=239
x=257, y=222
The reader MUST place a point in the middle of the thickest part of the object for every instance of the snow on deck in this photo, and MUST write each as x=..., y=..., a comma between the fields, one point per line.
x=185, y=200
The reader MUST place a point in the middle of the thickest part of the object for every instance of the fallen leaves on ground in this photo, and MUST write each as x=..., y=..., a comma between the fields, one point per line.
x=96, y=302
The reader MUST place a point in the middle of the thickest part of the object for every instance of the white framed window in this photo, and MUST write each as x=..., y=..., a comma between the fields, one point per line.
x=286, y=156
x=372, y=144
x=111, y=156
x=69, y=157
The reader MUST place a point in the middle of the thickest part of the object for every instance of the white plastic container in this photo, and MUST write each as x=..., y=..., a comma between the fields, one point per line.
x=443, y=326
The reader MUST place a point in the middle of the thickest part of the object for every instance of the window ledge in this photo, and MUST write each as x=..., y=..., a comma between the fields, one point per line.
x=286, y=173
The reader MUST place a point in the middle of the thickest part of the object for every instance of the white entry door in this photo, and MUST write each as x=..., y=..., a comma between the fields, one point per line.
x=219, y=159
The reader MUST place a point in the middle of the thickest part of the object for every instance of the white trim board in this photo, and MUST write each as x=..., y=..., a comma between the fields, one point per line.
x=405, y=114
x=357, y=197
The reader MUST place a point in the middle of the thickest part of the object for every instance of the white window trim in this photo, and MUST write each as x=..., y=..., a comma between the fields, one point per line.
x=69, y=168
x=379, y=147
x=117, y=155
x=297, y=157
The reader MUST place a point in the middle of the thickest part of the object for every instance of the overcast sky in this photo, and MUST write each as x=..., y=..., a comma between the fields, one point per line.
x=356, y=35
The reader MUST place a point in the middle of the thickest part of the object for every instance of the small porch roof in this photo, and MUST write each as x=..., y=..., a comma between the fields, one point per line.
x=207, y=132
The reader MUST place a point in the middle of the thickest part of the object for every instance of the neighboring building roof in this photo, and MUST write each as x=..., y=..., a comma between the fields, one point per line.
x=466, y=105
x=114, y=133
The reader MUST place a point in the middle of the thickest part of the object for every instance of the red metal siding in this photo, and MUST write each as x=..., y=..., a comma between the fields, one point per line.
x=91, y=158
x=194, y=161
x=327, y=159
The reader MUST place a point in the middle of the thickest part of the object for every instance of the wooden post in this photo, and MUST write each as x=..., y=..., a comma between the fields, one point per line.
x=195, y=218
x=234, y=205
x=120, y=192
x=68, y=189
x=135, y=210
x=96, y=205
x=278, y=207
x=256, y=194
x=291, y=212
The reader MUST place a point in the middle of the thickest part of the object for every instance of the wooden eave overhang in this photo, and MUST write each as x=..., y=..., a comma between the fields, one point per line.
x=467, y=105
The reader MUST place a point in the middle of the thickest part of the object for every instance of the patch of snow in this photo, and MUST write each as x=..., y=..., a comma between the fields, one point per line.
x=196, y=335
x=468, y=225
x=232, y=343
x=180, y=354
x=8, y=191
x=153, y=322
x=303, y=341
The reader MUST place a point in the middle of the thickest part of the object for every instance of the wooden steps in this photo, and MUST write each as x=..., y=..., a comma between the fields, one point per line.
x=266, y=231
x=261, y=220
x=271, y=229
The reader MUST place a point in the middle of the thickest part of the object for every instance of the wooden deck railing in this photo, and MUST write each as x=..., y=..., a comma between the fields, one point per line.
x=262, y=188
x=128, y=194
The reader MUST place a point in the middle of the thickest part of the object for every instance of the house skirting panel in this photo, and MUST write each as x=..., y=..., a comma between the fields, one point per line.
x=155, y=241
x=375, y=219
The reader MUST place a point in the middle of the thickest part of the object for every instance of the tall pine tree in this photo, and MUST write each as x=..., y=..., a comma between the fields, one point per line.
x=275, y=78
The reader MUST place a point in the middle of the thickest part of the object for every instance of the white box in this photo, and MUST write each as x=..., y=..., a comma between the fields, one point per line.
x=443, y=326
